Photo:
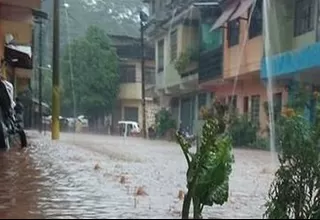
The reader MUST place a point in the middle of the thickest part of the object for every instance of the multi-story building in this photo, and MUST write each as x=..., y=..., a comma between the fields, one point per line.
x=16, y=25
x=240, y=85
x=129, y=104
x=16, y=39
x=174, y=28
x=292, y=45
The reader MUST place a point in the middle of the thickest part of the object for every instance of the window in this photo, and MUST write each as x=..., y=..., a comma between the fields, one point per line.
x=304, y=16
x=149, y=75
x=173, y=44
x=131, y=114
x=233, y=32
x=255, y=108
x=127, y=73
x=160, y=55
x=277, y=100
x=245, y=105
x=255, y=28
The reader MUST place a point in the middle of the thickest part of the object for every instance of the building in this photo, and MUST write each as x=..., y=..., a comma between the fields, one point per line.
x=292, y=48
x=16, y=39
x=16, y=26
x=240, y=85
x=174, y=28
x=129, y=103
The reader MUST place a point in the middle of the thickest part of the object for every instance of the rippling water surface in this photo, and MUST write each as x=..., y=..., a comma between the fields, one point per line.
x=91, y=176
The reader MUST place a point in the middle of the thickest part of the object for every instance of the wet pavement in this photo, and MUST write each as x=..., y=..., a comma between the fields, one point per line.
x=92, y=176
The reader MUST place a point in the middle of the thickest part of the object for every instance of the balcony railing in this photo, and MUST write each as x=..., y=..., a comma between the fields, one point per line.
x=210, y=65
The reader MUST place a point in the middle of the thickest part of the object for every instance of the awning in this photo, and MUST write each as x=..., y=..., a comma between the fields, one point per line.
x=244, y=6
x=19, y=56
x=21, y=48
x=233, y=10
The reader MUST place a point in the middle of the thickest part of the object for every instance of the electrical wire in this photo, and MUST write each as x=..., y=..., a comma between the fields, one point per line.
x=241, y=53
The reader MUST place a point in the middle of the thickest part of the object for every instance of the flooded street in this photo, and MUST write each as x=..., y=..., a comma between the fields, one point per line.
x=91, y=176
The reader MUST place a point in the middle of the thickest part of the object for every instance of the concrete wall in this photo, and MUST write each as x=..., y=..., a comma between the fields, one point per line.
x=187, y=37
x=133, y=90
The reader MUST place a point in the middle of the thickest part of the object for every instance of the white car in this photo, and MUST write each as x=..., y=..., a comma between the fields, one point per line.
x=84, y=121
x=131, y=127
x=47, y=120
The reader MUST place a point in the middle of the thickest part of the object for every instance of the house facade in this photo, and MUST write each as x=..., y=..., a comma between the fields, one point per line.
x=292, y=51
x=129, y=102
x=236, y=46
x=174, y=29
x=16, y=27
x=16, y=42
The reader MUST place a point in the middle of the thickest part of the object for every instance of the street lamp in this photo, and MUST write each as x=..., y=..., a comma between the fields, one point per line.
x=143, y=20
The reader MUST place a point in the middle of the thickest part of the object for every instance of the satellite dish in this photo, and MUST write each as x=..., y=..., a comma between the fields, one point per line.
x=9, y=38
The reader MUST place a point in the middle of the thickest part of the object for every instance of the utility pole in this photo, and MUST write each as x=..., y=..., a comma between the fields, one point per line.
x=39, y=17
x=143, y=18
x=34, y=71
x=40, y=75
x=55, y=129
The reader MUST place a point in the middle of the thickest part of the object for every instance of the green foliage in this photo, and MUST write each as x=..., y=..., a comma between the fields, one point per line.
x=295, y=192
x=164, y=122
x=185, y=58
x=96, y=79
x=209, y=168
x=182, y=62
x=261, y=143
x=243, y=131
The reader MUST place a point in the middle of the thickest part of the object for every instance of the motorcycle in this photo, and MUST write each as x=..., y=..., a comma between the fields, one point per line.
x=11, y=120
x=187, y=136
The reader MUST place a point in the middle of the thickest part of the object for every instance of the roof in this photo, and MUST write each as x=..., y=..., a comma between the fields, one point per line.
x=179, y=10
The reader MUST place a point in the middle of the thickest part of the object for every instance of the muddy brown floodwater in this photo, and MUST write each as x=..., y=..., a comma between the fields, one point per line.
x=92, y=176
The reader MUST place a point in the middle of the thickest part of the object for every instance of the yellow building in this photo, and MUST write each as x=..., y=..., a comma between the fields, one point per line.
x=129, y=103
x=16, y=34
x=16, y=25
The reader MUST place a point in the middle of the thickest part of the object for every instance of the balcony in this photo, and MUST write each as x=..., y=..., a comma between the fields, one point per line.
x=130, y=91
x=210, y=65
x=291, y=62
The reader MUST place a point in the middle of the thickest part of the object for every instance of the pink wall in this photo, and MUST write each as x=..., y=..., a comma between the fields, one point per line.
x=248, y=87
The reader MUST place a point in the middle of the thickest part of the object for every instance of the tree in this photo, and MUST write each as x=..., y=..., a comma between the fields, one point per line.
x=95, y=76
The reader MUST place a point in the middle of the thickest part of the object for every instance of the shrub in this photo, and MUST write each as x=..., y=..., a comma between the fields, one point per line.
x=295, y=192
x=244, y=133
x=164, y=122
x=209, y=168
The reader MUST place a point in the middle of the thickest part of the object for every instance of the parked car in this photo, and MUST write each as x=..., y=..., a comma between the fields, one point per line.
x=129, y=128
x=47, y=121
x=84, y=121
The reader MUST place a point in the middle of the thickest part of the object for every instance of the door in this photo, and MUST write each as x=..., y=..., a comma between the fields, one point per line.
x=131, y=114
x=186, y=113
